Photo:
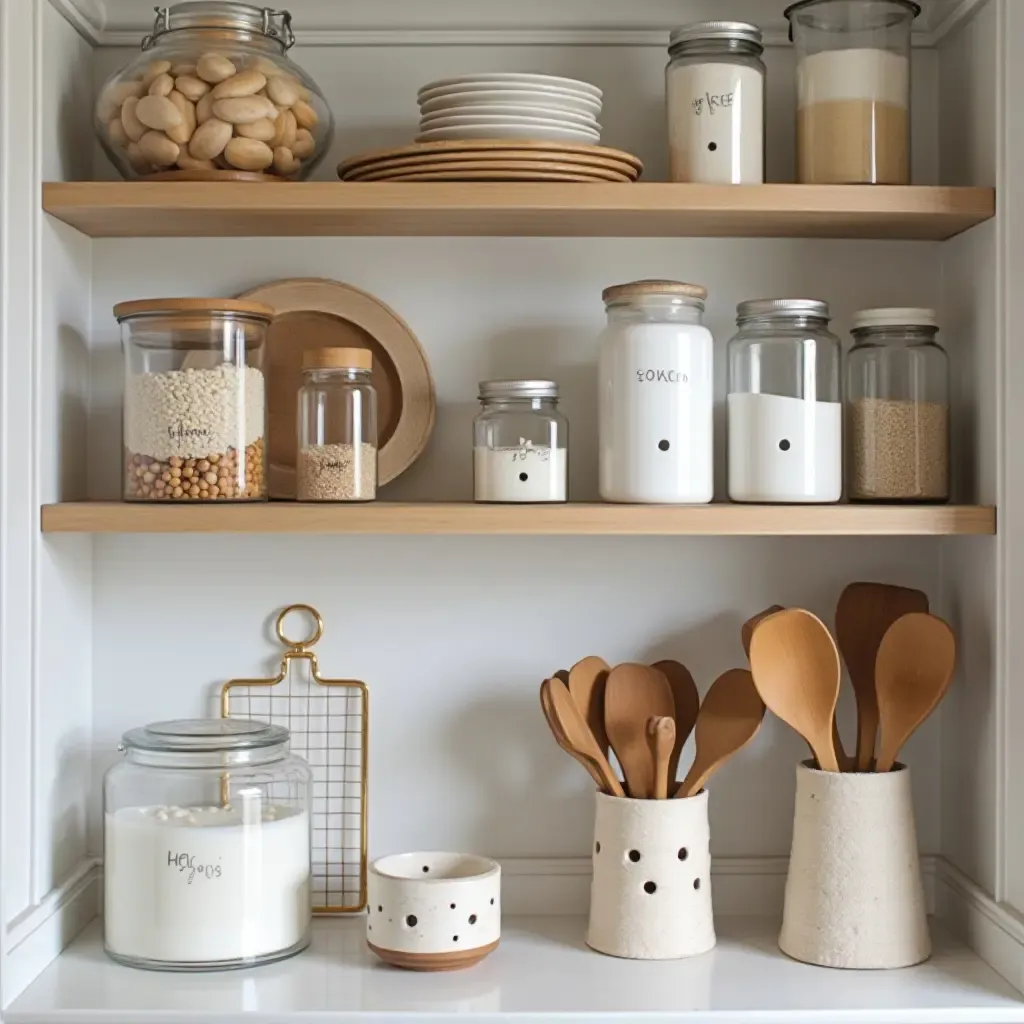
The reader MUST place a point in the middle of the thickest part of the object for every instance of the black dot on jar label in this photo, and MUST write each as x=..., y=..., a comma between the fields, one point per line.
x=597, y=849
x=650, y=888
x=492, y=901
x=524, y=477
x=412, y=920
x=380, y=910
x=712, y=146
x=784, y=445
x=472, y=918
x=683, y=853
x=425, y=869
x=664, y=445
x=455, y=938
x=452, y=906
x=634, y=856
x=696, y=883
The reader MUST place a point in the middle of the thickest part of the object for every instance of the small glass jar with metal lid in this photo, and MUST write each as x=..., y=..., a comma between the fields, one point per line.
x=214, y=95
x=337, y=456
x=520, y=443
x=715, y=90
x=206, y=846
x=195, y=406
x=897, y=411
x=785, y=411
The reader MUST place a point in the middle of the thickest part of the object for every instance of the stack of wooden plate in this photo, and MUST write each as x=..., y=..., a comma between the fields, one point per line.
x=493, y=160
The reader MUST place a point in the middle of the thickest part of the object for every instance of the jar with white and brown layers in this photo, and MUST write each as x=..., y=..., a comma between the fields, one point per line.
x=214, y=95
x=195, y=406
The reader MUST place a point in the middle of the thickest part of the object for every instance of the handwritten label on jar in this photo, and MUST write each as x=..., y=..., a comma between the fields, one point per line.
x=662, y=376
x=179, y=432
x=187, y=862
x=711, y=103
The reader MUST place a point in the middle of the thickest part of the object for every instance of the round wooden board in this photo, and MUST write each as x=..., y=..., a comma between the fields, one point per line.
x=434, y=961
x=520, y=157
x=489, y=146
x=319, y=313
x=524, y=176
x=213, y=176
x=463, y=170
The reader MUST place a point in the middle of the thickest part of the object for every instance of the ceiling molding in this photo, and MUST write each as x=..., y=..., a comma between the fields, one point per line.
x=488, y=22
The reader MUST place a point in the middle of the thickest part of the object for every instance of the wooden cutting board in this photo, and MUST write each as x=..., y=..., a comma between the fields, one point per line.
x=319, y=313
x=579, y=164
x=473, y=170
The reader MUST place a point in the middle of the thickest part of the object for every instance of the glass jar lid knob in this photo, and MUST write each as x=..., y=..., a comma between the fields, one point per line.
x=267, y=21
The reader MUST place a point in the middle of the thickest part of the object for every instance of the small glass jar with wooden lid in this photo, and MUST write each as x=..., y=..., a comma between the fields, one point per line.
x=337, y=458
x=195, y=406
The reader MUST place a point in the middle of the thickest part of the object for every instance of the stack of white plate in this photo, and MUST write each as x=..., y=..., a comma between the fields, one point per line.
x=508, y=105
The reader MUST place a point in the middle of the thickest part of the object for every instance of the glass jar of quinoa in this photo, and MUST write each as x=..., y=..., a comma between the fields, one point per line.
x=195, y=406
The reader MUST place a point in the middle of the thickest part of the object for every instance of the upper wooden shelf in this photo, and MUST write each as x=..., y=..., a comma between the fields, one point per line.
x=658, y=209
x=572, y=519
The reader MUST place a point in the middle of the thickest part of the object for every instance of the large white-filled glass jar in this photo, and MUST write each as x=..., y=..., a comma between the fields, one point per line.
x=715, y=93
x=214, y=95
x=656, y=395
x=520, y=443
x=206, y=846
x=785, y=410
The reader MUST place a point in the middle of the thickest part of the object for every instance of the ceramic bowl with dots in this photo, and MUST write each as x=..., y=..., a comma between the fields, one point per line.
x=650, y=897
x=433, y=911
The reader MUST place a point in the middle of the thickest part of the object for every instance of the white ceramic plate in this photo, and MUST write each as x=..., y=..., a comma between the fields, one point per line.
x=513, y=97
x=484, y=115
x=510, y=130
x=511, y=80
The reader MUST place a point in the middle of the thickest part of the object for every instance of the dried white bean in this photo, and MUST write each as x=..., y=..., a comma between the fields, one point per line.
x=133, y=127
x=159, y=150
x=214, y=68
x=245, y=83
x=283, y=91
x=286, y=163
x=187, y=128
x=191, y=87
x=304, y=145
x=210, y=139
x=249, y=154
x=263, y=130
x=244, y=109
x=162, y=85
x=305, y=115
x=158, y=113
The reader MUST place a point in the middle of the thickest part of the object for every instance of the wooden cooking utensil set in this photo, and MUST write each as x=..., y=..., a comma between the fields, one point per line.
x=900, y=659
x=644, y=714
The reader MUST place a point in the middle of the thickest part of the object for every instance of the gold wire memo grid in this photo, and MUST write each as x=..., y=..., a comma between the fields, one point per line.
x=329, y=724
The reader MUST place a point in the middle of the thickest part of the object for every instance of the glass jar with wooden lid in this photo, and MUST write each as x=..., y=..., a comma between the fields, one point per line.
x=337, y=428
x=194, y=399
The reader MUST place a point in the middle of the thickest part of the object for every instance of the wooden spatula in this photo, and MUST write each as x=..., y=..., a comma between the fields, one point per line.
x=661, y=735
x=632, y=695
x=748, y=627
x=796, y=670
x=729, y=717
x=686, y=700
x=915, y=665
x=863, y=615
x=578, y=735
x=556, y=730
x=586, y=684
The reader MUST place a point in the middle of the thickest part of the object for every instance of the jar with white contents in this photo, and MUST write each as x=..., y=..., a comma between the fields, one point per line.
x=206, y=847
x=520, y=443
x=715, y=88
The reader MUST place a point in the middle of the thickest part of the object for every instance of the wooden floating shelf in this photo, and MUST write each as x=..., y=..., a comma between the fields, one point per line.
x=656, y=209
x=572, y=519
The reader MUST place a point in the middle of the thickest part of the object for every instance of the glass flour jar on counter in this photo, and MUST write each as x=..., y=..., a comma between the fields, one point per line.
x=206, y=846
x=520, y=443
x=194, y=399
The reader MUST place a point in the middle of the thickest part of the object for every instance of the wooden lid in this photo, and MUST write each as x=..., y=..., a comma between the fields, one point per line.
x=337, y=358
x=639, y=289
x=150, y=307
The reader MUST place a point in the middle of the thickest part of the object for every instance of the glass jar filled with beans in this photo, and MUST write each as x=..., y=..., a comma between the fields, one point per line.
x=195, y=406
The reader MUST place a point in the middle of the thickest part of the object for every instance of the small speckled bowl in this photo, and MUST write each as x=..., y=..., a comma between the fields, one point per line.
x=433, y=911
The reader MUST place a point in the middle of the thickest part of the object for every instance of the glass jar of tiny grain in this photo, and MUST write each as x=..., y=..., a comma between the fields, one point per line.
x=520, y=443
x=195, y=406
x=897, y=395
x=337, y=458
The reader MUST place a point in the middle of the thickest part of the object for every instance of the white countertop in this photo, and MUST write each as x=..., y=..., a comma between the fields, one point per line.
x=542, y=972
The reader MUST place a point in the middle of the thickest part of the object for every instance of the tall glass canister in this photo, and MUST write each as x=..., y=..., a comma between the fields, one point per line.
x=785, y=412
x=853, y=90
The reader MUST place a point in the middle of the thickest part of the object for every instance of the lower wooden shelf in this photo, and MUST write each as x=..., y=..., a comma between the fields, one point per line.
x=540, y=520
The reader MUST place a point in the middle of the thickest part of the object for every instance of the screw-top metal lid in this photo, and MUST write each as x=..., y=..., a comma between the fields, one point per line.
x=695, y=31
x=782, y=308
x=205, y=735
x=895, y=316
x=225, y=15
x=518, y=389
x=337, y=359
x=622, y=294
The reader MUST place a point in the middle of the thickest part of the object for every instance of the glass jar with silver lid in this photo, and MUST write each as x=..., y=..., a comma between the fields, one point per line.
x=784, y=404
x=520, y=443
x=715, y=91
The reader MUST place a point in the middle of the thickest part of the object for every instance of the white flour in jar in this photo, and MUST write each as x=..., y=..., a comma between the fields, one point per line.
x=522, y=473
x=205, y=884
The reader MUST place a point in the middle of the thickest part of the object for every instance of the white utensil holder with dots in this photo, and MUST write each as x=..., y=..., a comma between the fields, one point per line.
x=651, y=892
x=853, y=894
x=433, y=911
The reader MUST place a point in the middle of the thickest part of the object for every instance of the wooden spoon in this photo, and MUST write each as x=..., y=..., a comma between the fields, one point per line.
x=687, y=702
x=586, y=684
x=661, y=734
x=632, y=695
x=729, y=718
x=748, y=627
x=556, y=731
x=915, y=665
x=578, y=735
x=864, y=612
x=796, y=670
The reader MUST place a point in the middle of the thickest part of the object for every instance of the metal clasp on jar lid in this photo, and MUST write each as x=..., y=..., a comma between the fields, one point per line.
x=222, y=14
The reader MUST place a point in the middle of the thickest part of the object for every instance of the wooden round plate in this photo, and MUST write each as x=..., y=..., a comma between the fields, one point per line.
x=434, y=961
x=489, y=146
x=520, y=176
x=318, y=313
x=463, y=169
x=426, y=160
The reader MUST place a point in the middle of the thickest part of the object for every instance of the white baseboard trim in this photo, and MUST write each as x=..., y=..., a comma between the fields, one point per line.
x=36, y=937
